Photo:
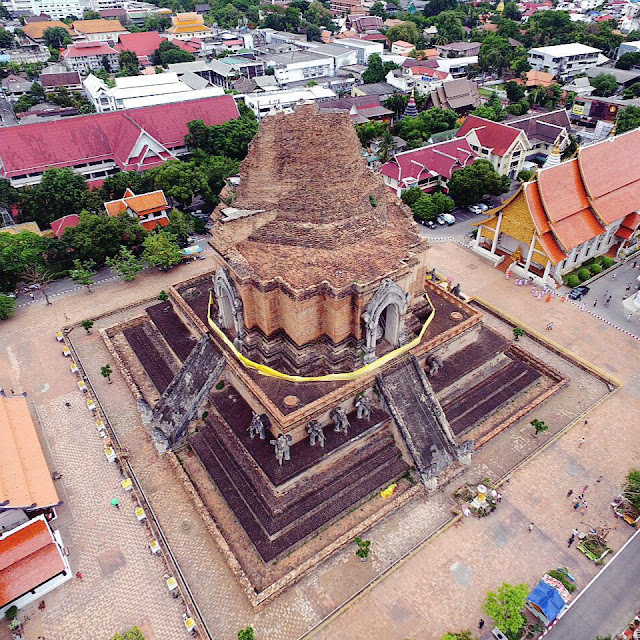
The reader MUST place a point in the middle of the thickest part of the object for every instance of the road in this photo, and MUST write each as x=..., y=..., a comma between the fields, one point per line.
x=611, y=601
x=7, y=118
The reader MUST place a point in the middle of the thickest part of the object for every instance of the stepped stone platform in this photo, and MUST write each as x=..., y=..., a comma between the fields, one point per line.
x=150, y=356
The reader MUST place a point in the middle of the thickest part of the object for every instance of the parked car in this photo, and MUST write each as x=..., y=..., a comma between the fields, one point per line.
x=577, y=293
x=478, y=208
x=427, y=223
x=446, y=218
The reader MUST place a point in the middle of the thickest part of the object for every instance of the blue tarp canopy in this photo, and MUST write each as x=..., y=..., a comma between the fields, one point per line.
x=191, y=251
x=548, y=599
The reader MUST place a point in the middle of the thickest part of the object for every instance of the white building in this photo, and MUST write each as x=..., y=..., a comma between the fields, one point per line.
x=85, y=56
x=457, y=67
x=59, y=9
x=364, y=48
x=564, y=60
x=629, y=47
x=298, y=66
x=422, y=79
x=147, y=91
x=342, y=56
x=262, y=104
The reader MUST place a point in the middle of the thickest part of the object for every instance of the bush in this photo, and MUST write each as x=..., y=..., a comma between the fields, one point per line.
x=595, y=269
x=246, y=634
x=562, y=577
x=573, y=281
x=163, y=295
x=7, y=307
x=584, y=274
x=12, y=612
x=607, y=262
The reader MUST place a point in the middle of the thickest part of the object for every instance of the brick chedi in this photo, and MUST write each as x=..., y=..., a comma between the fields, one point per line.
x=311, y=232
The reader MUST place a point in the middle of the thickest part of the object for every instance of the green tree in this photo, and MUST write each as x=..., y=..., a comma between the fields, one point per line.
x=98, y=237
x=434, y=7
x=515, y=91
x=162, y=250
x=628, y=60
x=370, y=131
x=318, y=14
x=156, y=22
x=604, y=84
x=552, y=27
x=627, y=120
x=83, y=273
x=411, y=196
x=632, y=488
x=511, y=12
x=7, y=307
x=632, y=92
x=246, y=634
x=56, y=37
x=491, y=110
x=6, y=39
x=38, y=276
x=215, y=169
x=86, y=325
x=424, y=208
x=364, y=548
x=19, y=252
x=505, y=607
x=418, y=130
x=469, y=184
x=229, y=139
x=180, y=181
x=115, y=185
x=460, y=635
x=106, y=372
x=406, y=31
x=377, y=9
x=449, y=27
x=495, y=53
x=132, y=634
x=377, y=70
x=168, y=53
x=539, y=426
x=180, y=224
x=58, y=194
x=129, y=63
x=125, y=264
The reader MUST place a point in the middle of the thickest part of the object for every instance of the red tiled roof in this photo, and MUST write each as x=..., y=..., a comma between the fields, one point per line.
x=143, y=44
x=84, y=49
x=438, y=159
x=59, y=79
x=492, y=135
x=76, y=140
x=61, y=224
x=428, y=71
x=28, y=557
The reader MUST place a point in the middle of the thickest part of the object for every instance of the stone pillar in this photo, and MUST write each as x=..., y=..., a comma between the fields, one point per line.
x=546, y=271
x=530, y=252
x=494, y=244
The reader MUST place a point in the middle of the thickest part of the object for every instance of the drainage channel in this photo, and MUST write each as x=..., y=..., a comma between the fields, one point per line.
x=169, y=555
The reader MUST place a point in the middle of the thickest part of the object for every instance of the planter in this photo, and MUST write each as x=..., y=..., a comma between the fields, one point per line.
x=595, y=555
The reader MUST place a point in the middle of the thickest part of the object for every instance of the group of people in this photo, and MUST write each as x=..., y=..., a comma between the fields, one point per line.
x=580, y=501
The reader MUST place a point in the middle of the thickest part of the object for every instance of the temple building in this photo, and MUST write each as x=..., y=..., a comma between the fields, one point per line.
x=320, y=365
x=571, y=212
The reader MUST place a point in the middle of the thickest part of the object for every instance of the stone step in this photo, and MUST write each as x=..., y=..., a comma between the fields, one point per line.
x=150, y=358
x=276, y=512
x=268, y=546
x=172, y=329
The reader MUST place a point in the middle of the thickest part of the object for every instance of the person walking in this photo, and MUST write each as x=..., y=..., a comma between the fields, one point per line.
x=628, y=287
x=530, y=527
x=576, y=504
x=613, y=277
x=586, y=420
x=549, y=326
x=571, y=539
x=575, y=533
x=31, y=295
x=581, y=442
x=595, y=303
x=115, y=503
x=570, y=493
x=628, y=318
x=481, y=623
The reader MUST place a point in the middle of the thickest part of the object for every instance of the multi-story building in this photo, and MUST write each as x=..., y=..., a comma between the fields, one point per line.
x=343, y=8
x=503, y=146
x=364, y=48
x=85, y=56
x=564, y=60
x=59, y=9
x=99, y=30
x=101, y=144
x=298, y=66
x=145, y=91
x=573, y=211
x=268, y=102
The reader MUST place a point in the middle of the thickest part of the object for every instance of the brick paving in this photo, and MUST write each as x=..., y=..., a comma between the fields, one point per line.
x=439, y=587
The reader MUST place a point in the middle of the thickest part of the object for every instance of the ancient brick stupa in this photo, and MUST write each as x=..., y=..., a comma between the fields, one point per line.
x=328, y=364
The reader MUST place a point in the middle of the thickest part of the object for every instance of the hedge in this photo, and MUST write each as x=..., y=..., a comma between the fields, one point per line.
x=573, y=281
x=584, y=274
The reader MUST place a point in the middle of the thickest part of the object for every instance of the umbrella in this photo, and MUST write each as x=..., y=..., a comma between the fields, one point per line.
x=114, y=502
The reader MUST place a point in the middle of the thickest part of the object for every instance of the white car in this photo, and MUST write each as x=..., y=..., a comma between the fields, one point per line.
x=478, y=208
x=446, y=218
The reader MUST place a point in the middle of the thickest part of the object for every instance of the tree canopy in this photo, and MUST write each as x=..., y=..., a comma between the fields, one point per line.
x=470, y=184
x=418, y=130
x=505, y=607
x=628, y=60
x=18, y=251
x=168, y=53
x=629, y=119
x=56, y=37
x=377, y=70
x=162, y=250
x=604, y=84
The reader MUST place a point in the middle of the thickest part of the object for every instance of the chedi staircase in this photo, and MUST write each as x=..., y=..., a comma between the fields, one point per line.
x=421, y=421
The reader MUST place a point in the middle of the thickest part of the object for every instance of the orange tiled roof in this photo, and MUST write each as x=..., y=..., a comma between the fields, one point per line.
x=35, y=30
x=28, y=557
x=616, y=192
x=143, y=204
x=99, y=25
x=24, y=475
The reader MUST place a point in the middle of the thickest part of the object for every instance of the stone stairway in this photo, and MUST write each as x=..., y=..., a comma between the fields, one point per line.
x=419, y=417
x=277, y=521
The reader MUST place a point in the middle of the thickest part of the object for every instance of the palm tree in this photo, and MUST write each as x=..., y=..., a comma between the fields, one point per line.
x=539, y=426
x=106, y=372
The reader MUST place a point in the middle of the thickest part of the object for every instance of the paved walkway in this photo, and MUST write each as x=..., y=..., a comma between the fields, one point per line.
x=609, y=604
x=442, y=587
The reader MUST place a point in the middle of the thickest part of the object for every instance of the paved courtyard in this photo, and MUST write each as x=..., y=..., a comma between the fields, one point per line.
x=439, y=586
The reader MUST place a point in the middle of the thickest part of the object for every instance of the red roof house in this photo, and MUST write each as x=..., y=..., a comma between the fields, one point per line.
x=61, y=224
x=428, y=167
x=96, y=144
x=504, y=146
x=143, y=44
x=151, y=209
x=31, y=564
